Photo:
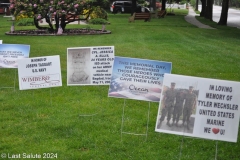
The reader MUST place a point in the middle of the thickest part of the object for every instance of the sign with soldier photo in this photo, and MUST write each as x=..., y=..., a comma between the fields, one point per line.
x=89, y=65
x=199, y=107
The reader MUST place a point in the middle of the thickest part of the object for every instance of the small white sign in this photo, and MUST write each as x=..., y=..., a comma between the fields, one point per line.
x=39, y=72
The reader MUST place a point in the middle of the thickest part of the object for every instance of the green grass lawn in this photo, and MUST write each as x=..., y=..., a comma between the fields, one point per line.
x=50, y=120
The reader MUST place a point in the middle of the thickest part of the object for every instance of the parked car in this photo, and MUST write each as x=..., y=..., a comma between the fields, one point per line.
x=125, y=7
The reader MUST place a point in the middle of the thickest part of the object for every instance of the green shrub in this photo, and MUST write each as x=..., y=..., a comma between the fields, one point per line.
x=193, y=3
x=182, y=2
x=98, y=12
x=25, y=22
x=98, y=21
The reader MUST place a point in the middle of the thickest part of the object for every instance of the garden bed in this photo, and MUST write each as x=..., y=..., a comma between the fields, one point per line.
x=38, y=32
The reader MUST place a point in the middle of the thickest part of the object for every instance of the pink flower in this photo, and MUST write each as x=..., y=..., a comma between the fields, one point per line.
x=62, y=2
x=76, y=5
x=51, y=2
x=39, y=16
x=11, y=6
x=54, y=13
x=63, y=11
x=35, y=5
x=41, y=1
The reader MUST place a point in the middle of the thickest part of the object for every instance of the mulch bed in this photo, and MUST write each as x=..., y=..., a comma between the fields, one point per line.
x=65, y=33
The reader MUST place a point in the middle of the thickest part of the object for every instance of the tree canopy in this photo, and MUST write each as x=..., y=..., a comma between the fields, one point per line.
x=59, y=9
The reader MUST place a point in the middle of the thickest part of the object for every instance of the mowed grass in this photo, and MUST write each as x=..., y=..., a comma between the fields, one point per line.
x=58, y=120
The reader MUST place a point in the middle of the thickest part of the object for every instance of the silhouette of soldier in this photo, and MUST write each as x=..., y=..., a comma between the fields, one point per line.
x=78, y=63
x=168, y=103
x=178, y=108
x=190, y=102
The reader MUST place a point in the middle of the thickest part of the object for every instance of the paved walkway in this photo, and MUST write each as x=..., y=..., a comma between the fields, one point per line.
x=233, y=19
x=190, y=18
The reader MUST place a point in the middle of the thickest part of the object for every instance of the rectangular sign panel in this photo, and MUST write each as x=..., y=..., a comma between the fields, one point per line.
x=199, y=107
x=10, y=53
x=39, y=72
x=89, y=65
x=138, y=79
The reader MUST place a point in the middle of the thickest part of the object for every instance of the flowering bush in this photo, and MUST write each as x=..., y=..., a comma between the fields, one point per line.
x=48, y=9
x=24, y=15
x=98, y=12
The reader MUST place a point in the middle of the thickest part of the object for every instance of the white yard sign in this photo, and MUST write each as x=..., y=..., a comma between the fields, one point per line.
x=39, y=72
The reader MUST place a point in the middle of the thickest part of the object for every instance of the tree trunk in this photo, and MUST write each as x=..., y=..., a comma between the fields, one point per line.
x=48, y=20
x=56, y=22
x=196, y=8
x=35, y=20
x=153, y=4
x=203, y=11
x=209, y=10
x=134, y=6
x=224, y=13
x=163, y=5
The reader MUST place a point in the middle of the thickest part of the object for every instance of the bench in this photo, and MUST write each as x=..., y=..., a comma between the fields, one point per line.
x=5, y=10
x=140, y=16
x=2, y=10
x=161, y=13
x=69, y=18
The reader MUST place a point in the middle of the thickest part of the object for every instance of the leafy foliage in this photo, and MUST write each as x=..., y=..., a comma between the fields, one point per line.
x=98, y=21
x=193, y=3
x=98, y=12
x=24, y=15
x=102, y=3
x=25, y=22
x=46, y=9
x=183, y=2
x=25, y=19
x=235, y=3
